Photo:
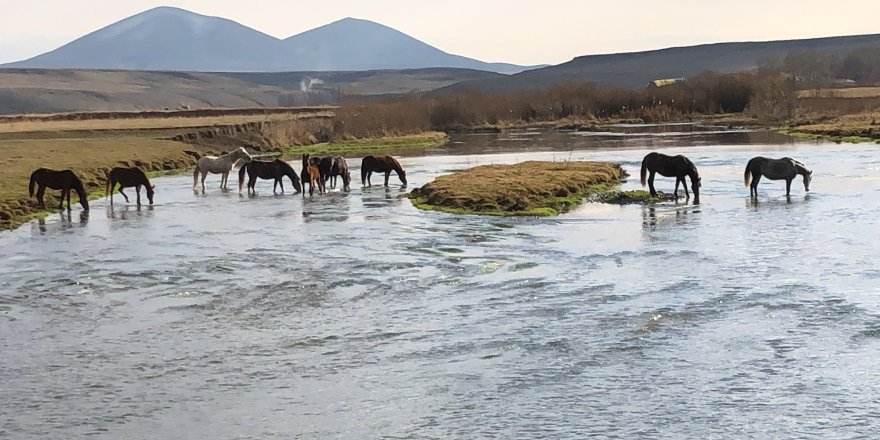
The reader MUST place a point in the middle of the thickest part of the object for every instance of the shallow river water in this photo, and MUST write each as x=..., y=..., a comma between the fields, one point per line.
x=355, y=315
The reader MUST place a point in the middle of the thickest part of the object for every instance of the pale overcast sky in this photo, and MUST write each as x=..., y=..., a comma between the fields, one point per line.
x=522, y=32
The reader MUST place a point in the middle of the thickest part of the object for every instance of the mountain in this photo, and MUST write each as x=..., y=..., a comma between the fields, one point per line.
x=353, y=44
x=167, y=38
x=636, y=69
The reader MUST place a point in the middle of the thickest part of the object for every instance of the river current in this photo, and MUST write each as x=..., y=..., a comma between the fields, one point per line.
x=355, y=315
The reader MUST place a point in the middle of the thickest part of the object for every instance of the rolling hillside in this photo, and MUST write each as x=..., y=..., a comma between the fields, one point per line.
x=636, y=69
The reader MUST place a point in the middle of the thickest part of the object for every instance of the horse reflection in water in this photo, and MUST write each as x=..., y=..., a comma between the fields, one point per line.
x=67, y=222
x=652, y=219
x=127, y=212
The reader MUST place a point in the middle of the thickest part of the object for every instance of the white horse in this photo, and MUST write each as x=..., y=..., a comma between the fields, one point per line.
x=219, y=165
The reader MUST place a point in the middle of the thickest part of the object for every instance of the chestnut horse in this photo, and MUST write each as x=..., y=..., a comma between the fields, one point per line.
x=381, y=164
x=311, y=175
x=126, y=178
x=65, y=180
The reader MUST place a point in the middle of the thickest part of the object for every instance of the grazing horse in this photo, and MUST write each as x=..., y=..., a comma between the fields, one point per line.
x=219, y=165
x=311, y=175
x=775, y=169
x=126, y=178
x=340, y=169
x=381, y=164
x=65, y=180
x=276, y=169
x=671, y=166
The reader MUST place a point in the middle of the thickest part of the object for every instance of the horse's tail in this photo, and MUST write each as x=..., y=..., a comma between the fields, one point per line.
x=32, y=184
x=644, y=173
x=196, y=175
x=747, y=178
x=241, y=172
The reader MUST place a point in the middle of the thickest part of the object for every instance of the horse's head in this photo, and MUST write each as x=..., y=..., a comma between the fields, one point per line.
x=808, y=177
x=402, y=175
x=243, y=154
x=151, y=189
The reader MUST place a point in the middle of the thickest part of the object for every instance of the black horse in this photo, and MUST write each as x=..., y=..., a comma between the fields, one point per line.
x=126, y=178
x=671, y=166
x=65, y=180
x=276, y=169
x=775, y=169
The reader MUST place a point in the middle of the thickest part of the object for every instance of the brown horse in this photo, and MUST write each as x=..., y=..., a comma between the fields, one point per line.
x=311, y=175
x=126, y=178
x=65, y=180
x=381, y=164
x=340, y=169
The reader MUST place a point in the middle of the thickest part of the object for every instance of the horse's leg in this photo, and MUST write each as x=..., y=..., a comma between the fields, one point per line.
x=123, y=194
x=137, y=189
x=754, y=188
x=204, y=175
x=684, y=185
x=112, y=187
x=676, y=188
x=40, y=192
x=369, y=174
x=223, y=178
x=65, y=192
x=651, y=184
x=387, y=175
x=787, y=187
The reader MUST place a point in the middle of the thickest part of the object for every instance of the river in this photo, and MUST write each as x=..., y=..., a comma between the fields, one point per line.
x=355, y=315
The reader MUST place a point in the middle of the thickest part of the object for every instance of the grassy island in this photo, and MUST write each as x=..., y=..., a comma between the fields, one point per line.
x=533, y=188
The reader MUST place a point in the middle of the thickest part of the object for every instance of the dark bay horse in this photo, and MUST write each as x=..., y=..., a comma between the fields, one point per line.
x=127, y=178
x=311, y=174
x=340, y=169
x=671, y=166
x=775, y=169
x=381, y=164
x=277, y=169
x=65, y=180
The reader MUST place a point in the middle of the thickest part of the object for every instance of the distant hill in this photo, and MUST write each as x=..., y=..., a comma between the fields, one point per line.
x=74, y=90
x=168, y=38
x=636, y=69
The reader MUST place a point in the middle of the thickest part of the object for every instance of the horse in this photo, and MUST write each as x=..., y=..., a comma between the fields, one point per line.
x=311, y=174
x=340, y=169
x=276, y=169
x=65, y=180
x=671, y=166
x=775, y=169
x=382, y=164
x=219, y=165
x=126, y=178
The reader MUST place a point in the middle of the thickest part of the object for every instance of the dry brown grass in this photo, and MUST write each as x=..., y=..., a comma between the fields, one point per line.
x=847, y=92
x=90, y=158
x=848, y=127
x=152, y=123
x=528, y=188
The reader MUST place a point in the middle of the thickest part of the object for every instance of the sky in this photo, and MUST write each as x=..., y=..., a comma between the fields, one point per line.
x=515, y=31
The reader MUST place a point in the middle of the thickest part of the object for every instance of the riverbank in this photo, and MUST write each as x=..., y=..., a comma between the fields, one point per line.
x=158, y=144
x=533, y=188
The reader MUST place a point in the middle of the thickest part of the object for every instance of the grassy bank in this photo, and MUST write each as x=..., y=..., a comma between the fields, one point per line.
x=533, y=188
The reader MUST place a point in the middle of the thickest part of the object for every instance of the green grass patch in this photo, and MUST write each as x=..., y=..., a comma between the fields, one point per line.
x=533, y=188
